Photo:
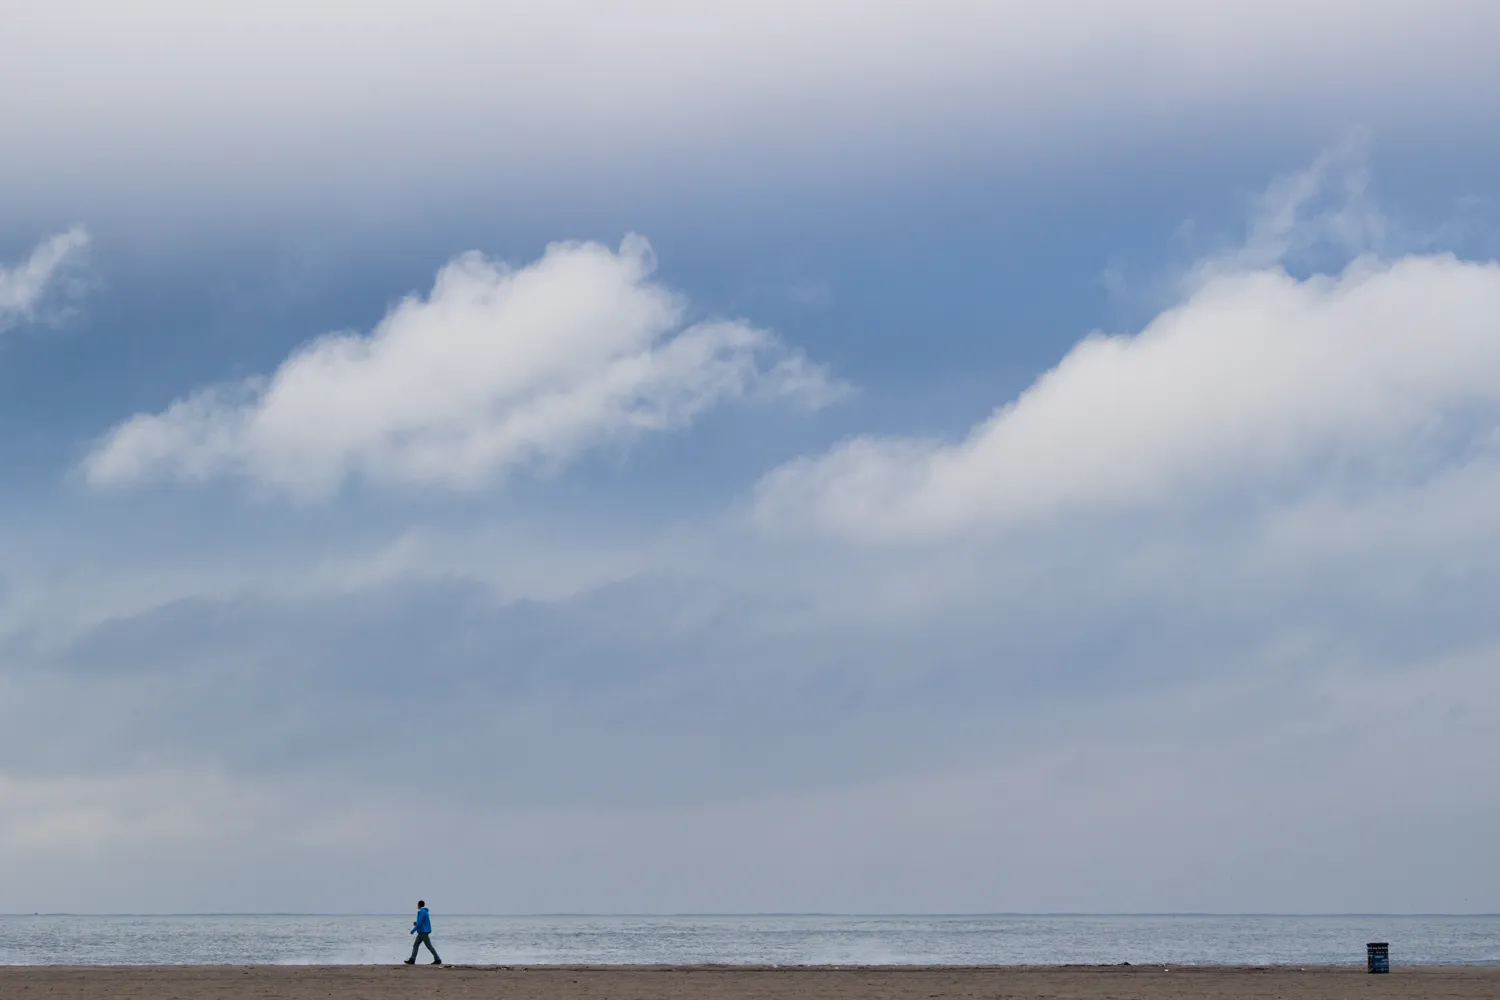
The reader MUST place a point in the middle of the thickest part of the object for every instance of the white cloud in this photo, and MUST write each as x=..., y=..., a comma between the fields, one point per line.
x=1254, y=378
x=1323, y=207
x=26, y=286
x=496, y=368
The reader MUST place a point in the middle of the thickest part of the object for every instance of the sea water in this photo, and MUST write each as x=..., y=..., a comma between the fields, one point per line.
x=750, y=940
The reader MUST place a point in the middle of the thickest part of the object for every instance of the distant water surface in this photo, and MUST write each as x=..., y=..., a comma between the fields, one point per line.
x=751, y=940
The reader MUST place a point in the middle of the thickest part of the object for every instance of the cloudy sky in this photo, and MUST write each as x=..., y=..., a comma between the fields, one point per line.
x=943, y=456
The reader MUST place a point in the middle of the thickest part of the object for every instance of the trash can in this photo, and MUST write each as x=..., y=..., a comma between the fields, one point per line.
x=1378, y=956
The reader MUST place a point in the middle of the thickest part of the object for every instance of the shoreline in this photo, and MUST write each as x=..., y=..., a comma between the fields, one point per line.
x=724, y=982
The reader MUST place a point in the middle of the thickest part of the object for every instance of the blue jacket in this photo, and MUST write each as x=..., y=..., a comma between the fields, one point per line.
x=424, y=922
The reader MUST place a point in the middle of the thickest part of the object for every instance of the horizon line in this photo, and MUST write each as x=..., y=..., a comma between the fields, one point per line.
x=753, y=914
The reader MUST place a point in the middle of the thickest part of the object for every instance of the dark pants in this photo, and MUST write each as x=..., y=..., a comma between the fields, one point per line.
x=423, y=938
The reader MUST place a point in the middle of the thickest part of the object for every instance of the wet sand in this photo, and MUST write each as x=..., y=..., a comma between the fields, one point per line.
x=739, y=983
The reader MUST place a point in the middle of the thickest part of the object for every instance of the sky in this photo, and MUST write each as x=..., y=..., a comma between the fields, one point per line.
x=778, y=457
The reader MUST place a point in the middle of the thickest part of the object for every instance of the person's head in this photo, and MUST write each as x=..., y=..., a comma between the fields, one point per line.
x=421, y=903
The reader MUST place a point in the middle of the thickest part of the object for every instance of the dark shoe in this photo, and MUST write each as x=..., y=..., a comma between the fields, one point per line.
x=436, y=961
x=410, y=961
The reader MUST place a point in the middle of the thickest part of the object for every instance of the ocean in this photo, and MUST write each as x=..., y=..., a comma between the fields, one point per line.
x=236, y=939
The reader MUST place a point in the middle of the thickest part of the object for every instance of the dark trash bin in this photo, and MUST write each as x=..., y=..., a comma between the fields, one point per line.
x=1378, y=956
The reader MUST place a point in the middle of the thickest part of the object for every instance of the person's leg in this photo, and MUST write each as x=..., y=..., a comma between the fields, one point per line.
x=427, y=940
x=414, y=946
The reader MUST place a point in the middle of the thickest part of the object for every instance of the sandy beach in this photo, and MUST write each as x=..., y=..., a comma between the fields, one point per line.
x=720, y=983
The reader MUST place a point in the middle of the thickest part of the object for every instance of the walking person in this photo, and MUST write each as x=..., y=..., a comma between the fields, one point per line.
x=422, y=928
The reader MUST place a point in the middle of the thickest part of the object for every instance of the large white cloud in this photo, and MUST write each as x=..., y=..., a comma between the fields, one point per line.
x=1257, y=380
x=26, y=286
x=495, y=368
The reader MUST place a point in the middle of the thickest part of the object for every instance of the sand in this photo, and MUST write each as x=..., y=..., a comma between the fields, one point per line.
x=721, y=983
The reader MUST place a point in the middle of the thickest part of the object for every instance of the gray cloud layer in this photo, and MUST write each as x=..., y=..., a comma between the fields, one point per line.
x=171, y=92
